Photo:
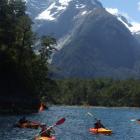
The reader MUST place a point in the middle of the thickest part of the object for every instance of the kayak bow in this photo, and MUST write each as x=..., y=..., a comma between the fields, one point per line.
x=45, y=138
x=100, y=131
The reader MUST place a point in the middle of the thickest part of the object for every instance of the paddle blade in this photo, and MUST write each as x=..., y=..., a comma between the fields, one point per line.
x=133, y=120
x=60, y=121
x=90, y=114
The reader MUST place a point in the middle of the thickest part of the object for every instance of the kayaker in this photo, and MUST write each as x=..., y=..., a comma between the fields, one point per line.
x=46, y=132
x=98, y=124
x=23, y=120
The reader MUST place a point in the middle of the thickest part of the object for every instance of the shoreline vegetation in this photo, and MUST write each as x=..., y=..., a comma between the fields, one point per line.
x=97, y=92
x=82, y=106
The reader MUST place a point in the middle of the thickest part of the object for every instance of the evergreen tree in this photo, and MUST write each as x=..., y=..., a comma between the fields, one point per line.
x=19, y=62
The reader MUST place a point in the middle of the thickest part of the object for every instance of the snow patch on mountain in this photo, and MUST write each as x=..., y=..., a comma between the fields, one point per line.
x=84, y=12
x=113, y=11
x=136, y=27
x=57, y=7
x=54, y=10
x=64, y=2
x=25, y=1
x=47, y=15
x=80, y=6
x=124, y=21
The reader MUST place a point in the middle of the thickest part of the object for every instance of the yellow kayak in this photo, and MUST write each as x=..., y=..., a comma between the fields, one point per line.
x=100, y=131
x=45, y=138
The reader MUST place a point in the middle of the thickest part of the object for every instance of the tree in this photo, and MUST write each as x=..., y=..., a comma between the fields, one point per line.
x=10, y=12
x=47, y=43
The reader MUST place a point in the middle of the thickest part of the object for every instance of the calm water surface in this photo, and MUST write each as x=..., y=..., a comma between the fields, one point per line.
x=77, y=123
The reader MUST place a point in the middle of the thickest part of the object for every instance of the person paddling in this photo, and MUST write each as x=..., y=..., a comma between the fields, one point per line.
x=46, y=132
x=23, y=120
x=98, y=124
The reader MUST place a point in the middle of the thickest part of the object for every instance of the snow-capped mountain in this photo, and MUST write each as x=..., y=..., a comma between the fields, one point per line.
x=51, y=15
x=92, y=42
x=52, y=9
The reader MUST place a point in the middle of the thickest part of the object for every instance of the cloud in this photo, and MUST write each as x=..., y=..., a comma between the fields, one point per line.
x=135, y=27
x=116, y=12
x=139, y=5
x=113, y=11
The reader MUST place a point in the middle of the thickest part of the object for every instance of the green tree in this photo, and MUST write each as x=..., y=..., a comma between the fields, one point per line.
x=18, y=59
x=47, y=43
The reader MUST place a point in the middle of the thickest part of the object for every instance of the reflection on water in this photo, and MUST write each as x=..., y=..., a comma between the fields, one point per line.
x=77, y=123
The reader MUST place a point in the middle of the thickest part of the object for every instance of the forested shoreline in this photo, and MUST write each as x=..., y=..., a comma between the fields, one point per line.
x=97, y=92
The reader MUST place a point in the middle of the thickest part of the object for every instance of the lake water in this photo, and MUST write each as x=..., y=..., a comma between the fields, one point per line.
x=77, y=124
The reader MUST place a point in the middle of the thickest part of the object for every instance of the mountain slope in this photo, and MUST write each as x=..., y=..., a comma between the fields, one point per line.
x=101, y=46
x=134, y=27
x=58, y=17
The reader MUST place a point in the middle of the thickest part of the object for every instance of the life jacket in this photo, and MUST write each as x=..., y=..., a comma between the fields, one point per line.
x=43, y=132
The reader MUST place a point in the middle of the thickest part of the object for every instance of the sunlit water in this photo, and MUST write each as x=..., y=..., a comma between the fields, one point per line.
x=77, y=123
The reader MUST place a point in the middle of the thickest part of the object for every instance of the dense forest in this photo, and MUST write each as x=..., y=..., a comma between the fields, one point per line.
x=97, y=92
x=23, y=71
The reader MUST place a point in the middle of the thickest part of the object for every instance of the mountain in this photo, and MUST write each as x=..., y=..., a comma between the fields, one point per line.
x=58, y=17
x=102, y=47
x=92, y=42
x=134, y=28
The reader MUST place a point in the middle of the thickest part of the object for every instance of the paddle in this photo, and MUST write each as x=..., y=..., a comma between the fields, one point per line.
x=90, y=114
x=94, y=117
x=59, y=122
x=133, y=120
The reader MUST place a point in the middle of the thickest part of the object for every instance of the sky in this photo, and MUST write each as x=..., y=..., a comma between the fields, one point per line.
x=130, y=8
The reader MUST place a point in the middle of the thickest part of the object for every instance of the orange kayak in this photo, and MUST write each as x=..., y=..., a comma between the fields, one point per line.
x=100, y=131
x=28, y=125
x=45, y=138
